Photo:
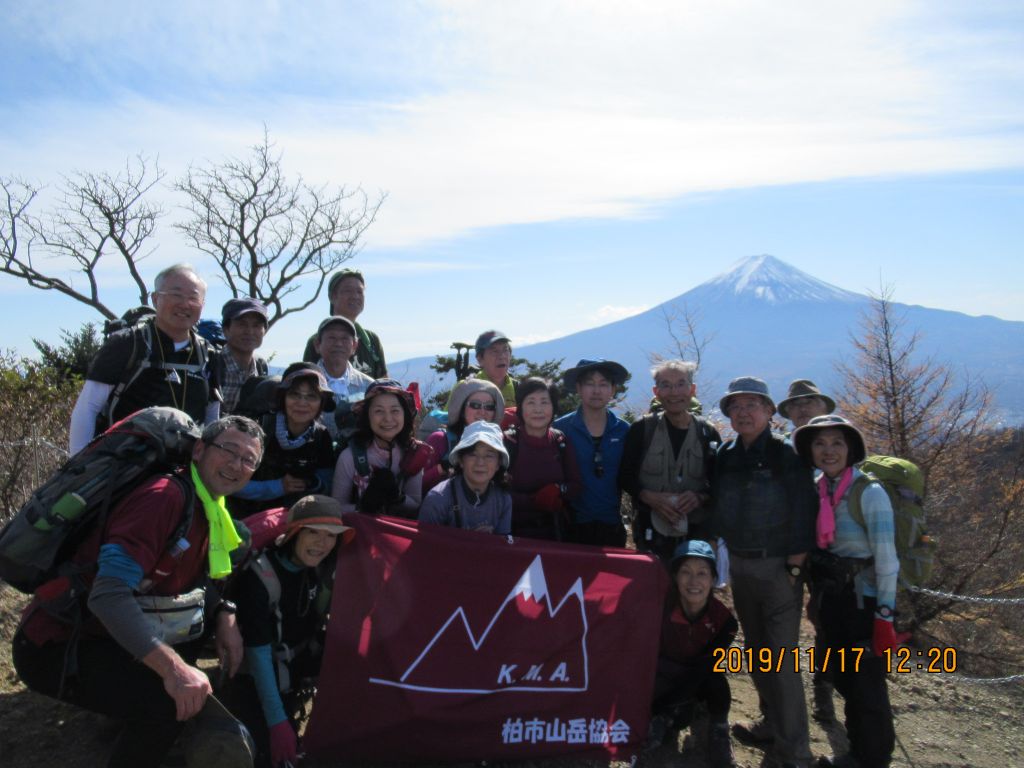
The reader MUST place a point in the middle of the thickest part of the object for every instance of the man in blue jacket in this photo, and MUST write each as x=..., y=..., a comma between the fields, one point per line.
x=597, y=436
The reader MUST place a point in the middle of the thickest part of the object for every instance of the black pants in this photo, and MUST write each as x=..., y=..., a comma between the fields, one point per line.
x=111, y=682
x=678, y=688
x=869, y=724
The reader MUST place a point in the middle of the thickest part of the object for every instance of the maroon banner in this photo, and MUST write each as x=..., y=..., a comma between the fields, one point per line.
x=446, y=644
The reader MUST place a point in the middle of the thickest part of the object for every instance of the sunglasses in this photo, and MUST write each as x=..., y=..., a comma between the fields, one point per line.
x=476, y=405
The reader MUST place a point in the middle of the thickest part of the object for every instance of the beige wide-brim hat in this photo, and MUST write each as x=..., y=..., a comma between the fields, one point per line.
x=804, y=388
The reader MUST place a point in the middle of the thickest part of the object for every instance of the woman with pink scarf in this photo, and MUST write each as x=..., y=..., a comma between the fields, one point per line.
x=853, y=578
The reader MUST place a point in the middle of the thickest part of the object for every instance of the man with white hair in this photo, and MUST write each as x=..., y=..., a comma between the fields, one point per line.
x=160, y=361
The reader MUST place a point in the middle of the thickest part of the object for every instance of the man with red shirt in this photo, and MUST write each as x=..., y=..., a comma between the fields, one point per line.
x=119, y=660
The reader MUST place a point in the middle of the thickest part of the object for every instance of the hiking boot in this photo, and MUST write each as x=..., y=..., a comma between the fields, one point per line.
x=824, y=710
x=720, y=746
x=756, y=732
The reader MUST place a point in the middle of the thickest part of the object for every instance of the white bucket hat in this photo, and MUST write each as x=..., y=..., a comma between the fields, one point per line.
x=484, y=432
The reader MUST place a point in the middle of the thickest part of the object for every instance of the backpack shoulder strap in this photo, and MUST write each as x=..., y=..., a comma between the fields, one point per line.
x=359, y=458
x=138, y=361
x=264, y=569
x=511, y=445
x=650, y=427
x=456, y=509
x=853, y=501
x=177, y=542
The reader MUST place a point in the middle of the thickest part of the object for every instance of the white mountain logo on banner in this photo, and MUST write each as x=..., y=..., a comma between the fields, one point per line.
x=535, y=646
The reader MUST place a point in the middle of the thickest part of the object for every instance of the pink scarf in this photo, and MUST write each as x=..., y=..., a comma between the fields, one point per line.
x=826, y=526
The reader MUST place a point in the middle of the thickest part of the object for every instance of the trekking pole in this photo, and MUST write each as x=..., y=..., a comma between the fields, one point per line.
x=461, y=359
x=902, y=748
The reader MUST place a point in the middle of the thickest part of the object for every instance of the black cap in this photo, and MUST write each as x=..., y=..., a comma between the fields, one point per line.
x=235, y=308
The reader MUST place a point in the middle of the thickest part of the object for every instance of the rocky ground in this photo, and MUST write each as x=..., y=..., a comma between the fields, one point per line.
x=942, y=722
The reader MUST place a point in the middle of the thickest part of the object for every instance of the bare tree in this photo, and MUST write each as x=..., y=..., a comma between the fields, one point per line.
x=96, y=214
x=915, y=407
x=270, y=237
x=907, y=404
x=683, y=327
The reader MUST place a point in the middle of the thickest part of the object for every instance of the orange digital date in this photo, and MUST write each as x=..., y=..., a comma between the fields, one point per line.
x=736, y=660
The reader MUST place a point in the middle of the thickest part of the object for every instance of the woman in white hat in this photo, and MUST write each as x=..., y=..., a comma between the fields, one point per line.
x=472, y=400
x=476, y=497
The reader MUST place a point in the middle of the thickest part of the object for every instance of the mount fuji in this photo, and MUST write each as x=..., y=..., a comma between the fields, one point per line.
x=766, y=318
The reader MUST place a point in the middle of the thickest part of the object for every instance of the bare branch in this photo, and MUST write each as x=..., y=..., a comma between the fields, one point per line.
x=95, y=215
x=272, y=239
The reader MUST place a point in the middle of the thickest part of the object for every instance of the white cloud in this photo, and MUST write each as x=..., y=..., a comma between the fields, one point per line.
x=610, y=313
x=525, y=340
x=514, y=113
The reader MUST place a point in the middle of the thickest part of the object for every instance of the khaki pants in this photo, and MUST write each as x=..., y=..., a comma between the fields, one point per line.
x=769, y=608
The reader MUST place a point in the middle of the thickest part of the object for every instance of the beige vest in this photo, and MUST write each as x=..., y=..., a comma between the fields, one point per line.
x=661, y=471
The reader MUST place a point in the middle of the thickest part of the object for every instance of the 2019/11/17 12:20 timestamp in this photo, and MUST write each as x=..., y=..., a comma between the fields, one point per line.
x=901, y=660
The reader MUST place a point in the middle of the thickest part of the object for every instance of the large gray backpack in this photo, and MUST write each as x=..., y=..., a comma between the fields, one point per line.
x=45, y=532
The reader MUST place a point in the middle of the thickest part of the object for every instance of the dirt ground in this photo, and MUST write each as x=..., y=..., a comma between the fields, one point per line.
x=942, y=721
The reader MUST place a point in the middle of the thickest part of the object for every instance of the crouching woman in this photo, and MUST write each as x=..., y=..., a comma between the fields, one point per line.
x=695, y=625
x=282, y=598
x=476, y=497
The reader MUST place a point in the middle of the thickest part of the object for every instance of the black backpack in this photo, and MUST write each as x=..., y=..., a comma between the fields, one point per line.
x=140, y=322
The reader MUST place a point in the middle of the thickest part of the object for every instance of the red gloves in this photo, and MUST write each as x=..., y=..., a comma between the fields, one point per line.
x=283, y=744
x=416, y=458
x=548, y=499
x=884, y=637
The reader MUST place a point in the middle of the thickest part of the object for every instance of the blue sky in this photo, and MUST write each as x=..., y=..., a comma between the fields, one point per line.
x=551, y=166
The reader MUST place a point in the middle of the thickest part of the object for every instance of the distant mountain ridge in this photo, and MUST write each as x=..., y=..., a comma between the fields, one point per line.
x=767, y=318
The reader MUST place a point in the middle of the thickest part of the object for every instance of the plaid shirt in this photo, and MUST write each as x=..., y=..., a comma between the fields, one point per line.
x=233, y=376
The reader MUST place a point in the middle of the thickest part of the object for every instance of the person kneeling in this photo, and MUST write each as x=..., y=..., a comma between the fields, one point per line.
x=694, y=625
x=283, y=596
x=477, y=497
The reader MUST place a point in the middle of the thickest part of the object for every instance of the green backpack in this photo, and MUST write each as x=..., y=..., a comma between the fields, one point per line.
x=904, y=484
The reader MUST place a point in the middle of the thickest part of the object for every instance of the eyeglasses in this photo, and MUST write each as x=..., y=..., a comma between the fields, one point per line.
x=305, y=397
x=246, y=461
x=476, y=405
x=183, y=298
x=673, y=386
x=598, y=458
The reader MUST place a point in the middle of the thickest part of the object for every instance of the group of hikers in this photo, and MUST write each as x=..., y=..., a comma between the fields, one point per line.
x=335, y=435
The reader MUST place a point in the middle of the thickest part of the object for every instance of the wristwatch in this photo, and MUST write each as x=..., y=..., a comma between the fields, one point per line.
x=227, y=606
x=794, y=570
x=884, y=612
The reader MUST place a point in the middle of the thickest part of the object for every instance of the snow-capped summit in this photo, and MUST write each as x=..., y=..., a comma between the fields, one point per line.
x=771, y=280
